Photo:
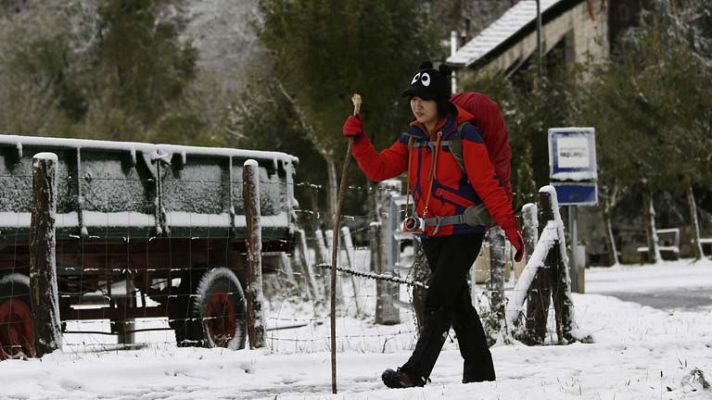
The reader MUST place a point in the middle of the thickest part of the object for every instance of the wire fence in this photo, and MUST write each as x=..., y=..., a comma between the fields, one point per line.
x=122, y=284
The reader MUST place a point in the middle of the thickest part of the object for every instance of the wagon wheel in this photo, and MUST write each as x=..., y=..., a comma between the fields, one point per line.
x=221, y=305
x=215, y=313
x=17, y=336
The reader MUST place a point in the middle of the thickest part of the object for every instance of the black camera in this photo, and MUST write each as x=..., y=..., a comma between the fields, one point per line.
x=413, y=224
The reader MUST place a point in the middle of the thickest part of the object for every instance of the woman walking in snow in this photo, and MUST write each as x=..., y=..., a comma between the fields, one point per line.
x=446, y=192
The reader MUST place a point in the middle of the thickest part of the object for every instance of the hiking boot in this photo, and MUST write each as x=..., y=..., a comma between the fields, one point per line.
x=398, y=379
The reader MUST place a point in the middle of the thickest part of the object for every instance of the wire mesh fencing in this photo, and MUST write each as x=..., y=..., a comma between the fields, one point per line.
x=124, y=284
x=149, y=250
x=360, y=300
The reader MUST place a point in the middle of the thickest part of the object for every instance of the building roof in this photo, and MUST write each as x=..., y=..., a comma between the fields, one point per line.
x=517, y=20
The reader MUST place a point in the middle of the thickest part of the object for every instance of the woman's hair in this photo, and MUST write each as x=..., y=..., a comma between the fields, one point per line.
x=444, y=107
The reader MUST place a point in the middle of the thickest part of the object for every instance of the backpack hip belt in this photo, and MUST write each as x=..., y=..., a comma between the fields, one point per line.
x=473, y=216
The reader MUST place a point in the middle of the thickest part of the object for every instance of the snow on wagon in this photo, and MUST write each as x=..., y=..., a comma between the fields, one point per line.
x=143, y=230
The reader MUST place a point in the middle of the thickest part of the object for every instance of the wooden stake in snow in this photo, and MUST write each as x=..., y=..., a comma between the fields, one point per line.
x=321, y=251
x=539, y=296
x=421, y=273
x=531, y=226
x=335, y=247
x=307, y=269
x=251, y=195
x=549, y=276
x=43, y=271
x=351, y=264
x=546, y=269
x=286, y=271
x=381, y=250
x=497, y=263
x=125, y=327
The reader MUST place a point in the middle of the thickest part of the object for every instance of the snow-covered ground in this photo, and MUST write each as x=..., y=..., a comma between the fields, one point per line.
x=639, y=352
x=669, y=285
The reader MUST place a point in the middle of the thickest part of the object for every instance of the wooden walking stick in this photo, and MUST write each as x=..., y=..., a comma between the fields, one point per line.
x=356, y=99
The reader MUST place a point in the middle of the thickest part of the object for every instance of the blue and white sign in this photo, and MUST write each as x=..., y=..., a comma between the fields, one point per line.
x=572, y=154
x=580, y=194
x=572, y=165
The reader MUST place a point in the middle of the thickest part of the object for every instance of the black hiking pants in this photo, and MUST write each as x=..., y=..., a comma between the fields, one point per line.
x=447, y=304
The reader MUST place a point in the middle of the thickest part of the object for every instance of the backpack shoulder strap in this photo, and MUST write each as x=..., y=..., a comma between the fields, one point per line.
x=456, y=147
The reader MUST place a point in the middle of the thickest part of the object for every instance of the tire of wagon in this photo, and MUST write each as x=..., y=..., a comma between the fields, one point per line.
x=221, y=306
x=17, y=338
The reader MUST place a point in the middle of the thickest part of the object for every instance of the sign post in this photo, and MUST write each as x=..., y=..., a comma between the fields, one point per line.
x=573, y=173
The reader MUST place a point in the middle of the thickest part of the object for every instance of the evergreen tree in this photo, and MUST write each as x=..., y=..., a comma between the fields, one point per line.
x=38, y=55
x=324, y=50
x=143, y=67
x=650, y=112
x=105, y=69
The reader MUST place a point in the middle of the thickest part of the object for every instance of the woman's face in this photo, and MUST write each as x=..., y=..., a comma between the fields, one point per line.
x=425, y=111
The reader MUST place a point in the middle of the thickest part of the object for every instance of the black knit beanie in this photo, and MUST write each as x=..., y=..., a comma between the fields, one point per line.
x=432, y=84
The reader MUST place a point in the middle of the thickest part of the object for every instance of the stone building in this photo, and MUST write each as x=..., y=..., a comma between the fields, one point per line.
x=577, y=29
x=572, y=31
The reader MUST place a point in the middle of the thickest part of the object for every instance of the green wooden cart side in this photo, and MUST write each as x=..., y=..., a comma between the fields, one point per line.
x=143, y=190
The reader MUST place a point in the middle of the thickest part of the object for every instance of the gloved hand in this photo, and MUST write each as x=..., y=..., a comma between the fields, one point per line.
x=353, y=127
x=515, y=238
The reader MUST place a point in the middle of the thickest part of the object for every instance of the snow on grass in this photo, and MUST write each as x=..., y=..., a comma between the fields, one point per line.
x=633, y=346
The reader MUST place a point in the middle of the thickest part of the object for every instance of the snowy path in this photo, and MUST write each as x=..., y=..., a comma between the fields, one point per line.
x=634, y=344
x=667, y=286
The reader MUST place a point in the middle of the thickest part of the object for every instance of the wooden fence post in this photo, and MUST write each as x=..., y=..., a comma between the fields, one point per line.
x=251, y=195
x=538, y=299
x=553, y=276
x=308, y=278
x=321, y=251
x=43, y=268
x=125, y=327
x=286, y=270
x=421, y=273
x=387, y=293
x=374, y=244
x=561, y=284
x=531, y=237
x=351, y=262
x=531, y=228
x=496, y=285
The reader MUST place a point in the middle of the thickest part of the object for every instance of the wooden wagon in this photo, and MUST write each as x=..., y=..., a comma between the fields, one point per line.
x=143, y=230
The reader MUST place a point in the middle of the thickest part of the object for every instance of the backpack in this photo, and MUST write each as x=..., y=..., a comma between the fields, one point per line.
x=488, y=119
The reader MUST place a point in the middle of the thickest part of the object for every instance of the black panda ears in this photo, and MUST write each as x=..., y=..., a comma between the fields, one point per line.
x=443, y=68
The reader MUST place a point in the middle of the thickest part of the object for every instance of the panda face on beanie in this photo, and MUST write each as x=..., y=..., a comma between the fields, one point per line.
x=430, y=83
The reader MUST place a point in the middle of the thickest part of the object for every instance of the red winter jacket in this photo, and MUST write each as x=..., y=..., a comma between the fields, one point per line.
x=452, y=191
